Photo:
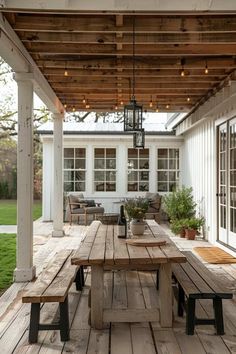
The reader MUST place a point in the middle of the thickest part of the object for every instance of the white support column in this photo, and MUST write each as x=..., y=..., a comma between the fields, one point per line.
x=58, y=175
x=25, y=270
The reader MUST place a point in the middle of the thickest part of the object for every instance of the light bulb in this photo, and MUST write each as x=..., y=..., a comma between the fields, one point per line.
x=87, y=106
x=122, y=103
x=73, y=109
x=65, y=105
x=65, y=73
x=206, y=70
x=84, y=100
x=157, y=110
x=188, y=99
x=167, y=106
x=182, y=73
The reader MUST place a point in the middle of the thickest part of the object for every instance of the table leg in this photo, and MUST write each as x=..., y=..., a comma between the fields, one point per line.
x=165, y=294
x=97, y=283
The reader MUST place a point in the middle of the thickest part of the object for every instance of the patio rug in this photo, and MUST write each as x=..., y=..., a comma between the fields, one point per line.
x=214, y=255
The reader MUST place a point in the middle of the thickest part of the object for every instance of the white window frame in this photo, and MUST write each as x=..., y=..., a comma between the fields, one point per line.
x=138, y=170
x=105, y=169
x=168, y=169
x=75, y=169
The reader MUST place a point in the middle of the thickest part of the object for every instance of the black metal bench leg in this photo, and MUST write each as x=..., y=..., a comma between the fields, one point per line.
x=82, y=275
x=64, y=320
x=34, y=323
x=180, y=301
x=218, y=311
x=157, y=279
x=78, y=281
x=190, y=320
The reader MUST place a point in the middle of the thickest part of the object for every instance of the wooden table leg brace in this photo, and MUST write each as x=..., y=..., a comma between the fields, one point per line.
x=97, y=284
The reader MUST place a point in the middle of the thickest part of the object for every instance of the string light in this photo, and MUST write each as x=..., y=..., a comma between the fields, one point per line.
x=122, y=102
x=116, y=107
x=206, y=71
x=65, y=73
x=84, y=100
x=151, y=103
x=182, y=72
x=188, y=99
x=65, y=105
x=167, y=106
x=73, y=109
x=87, y=105
x=157, y=109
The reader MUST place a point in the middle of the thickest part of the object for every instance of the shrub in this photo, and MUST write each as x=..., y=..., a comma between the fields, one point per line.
x=136, y=207
x=180, y=204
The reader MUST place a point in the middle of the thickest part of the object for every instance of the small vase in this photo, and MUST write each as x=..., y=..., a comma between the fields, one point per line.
x=190, y=234
x=137, y=226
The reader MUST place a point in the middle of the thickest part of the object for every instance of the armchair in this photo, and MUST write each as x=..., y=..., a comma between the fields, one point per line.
x=79, y=206
x=154, y=209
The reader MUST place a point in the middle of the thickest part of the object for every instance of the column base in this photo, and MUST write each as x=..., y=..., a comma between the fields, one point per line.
x=24, y=274
x=58, y=233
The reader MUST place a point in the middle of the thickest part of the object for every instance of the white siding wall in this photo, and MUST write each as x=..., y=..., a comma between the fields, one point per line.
x=90, y=142
x=199, y=171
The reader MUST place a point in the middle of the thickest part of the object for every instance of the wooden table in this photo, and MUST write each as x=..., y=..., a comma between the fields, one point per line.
x=102, y=249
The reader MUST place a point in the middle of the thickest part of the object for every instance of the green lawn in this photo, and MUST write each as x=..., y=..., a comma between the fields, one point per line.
x=7, y=259
x=8, y=211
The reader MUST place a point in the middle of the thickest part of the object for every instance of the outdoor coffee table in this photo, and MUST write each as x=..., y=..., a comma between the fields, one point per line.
x=102, y=250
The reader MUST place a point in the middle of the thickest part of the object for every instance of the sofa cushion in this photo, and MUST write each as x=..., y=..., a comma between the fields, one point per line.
x=89, y=202
x=74, y=199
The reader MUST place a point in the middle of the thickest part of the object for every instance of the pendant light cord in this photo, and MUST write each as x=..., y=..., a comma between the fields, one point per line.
x=133, y=57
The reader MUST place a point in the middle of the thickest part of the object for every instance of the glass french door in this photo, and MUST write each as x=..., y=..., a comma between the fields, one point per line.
x=227, y=183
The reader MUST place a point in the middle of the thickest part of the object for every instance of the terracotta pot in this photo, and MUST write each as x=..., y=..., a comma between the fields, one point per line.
x=137, y=226
x=182, y=233
x=190, y=234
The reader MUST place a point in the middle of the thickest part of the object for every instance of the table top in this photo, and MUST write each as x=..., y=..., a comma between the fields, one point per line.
x=101, y=246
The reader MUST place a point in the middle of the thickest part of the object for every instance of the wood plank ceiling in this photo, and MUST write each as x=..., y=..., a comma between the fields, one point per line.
x=88, y=57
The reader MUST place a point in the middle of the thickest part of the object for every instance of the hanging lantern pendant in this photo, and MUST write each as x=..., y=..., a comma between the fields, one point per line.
x=133, y=113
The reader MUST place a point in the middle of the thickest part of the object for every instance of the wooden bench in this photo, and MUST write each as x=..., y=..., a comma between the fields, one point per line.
x=53, y=286
x=194, y=282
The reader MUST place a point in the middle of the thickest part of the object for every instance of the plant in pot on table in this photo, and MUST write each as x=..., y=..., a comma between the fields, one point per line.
x=180, y=206
x=136, y=209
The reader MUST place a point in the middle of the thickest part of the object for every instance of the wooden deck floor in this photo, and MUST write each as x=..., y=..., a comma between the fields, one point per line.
x=137, y=338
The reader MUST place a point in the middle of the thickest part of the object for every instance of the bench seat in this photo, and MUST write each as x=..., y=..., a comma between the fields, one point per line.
x=194, y=282
x=53, y=286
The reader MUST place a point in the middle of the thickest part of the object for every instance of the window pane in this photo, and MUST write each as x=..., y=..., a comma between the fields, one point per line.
x=79, y=175
x=233, y=159
x=80, y=153
x=162, y=153
x=133, y=163
x=173, y=153
x=99, y=164
x=99, y=153
x=69, y=164
x=111, y=163
x=143, y=186
x=99, y=176
x=80, y=164
x=172, y=164
x=162, y=176
x=172, y=176
x=110, y=176
x=133, y=187
x=80, y=186
x=162, y=187
x=99, y=187
x=143, y=164
x=68, y=152
x=68, y=176
x=172, y=186
x=110, y=187
x=144, y=176
x=162, y=164
x=132, y=176
x=133, y=153
x=144, y=153
x=111, y=153
x=69, y=186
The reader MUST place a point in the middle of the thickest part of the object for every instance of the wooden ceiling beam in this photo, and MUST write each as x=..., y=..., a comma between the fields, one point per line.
x=107, y=24
x=140, y=63
x=126, y=86
x=140, y=50
x=120, y=38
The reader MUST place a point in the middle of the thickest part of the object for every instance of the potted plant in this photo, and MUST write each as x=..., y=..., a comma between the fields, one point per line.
x=179, y=205
x=178, y=227
x=192, y=227
x=136, y=209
